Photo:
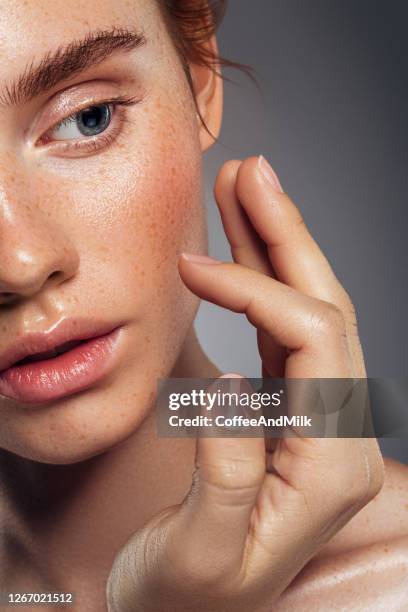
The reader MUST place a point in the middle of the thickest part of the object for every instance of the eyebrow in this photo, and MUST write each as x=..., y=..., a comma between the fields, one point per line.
x=67, y=61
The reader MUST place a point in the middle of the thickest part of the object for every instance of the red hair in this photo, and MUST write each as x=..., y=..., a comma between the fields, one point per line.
x=191, y=24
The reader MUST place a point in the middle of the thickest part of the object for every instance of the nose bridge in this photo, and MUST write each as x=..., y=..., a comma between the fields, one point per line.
x=34, y=247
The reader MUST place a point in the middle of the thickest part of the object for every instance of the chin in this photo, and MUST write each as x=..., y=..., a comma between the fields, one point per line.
x=76, y=428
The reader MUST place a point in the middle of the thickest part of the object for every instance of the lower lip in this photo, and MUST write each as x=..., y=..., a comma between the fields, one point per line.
x=73, y=371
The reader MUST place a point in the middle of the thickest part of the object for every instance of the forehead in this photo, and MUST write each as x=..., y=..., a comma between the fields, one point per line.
x=30, y=28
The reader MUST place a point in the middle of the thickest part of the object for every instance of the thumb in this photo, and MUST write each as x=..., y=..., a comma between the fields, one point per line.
x=227, y=479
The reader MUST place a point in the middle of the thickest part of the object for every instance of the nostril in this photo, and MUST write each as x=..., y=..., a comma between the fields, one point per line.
x=7, y=297
x=55, y=274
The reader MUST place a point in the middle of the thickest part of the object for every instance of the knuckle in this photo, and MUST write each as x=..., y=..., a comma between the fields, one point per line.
x=368, y=477
x=295, y=221
x=327, y=319
x=235, y=480
x=347, y=302
x=298, y=221
x=352, y=494
x=357, y=492
x=376, y=472
x=349, y=475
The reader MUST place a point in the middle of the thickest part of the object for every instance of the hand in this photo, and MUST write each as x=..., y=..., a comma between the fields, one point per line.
x=253, y=519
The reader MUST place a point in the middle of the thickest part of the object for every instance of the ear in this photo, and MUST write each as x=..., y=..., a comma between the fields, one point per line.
x=208, y=88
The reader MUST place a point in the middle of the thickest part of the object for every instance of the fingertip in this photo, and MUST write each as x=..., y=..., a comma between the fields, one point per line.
x=248, y=169
x=229, y=168
x=226, y=177
x=232, y=375
x=199, y=259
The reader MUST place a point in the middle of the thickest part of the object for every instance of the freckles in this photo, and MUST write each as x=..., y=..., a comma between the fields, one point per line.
x=178, y=197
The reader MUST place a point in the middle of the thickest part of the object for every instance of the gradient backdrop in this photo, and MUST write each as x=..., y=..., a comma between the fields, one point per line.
x=331, y=119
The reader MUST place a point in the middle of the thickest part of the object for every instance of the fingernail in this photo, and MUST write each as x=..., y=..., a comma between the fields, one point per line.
x=231, y=387
x=269, y=173
x=231, y=375
x=200, y=259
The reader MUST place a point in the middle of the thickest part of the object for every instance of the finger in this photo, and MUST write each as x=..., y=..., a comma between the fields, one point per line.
x=248, y=249
x=295, y=256
x=313, y=330
x=229, y=474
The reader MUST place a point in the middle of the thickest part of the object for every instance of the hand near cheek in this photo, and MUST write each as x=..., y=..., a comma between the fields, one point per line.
x=253, y=519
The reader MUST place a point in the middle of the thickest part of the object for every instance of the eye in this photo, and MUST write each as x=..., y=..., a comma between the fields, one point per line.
x=90, y=129
x=90, y=121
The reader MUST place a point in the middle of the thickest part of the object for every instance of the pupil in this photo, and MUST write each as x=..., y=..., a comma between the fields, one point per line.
x=93, y=120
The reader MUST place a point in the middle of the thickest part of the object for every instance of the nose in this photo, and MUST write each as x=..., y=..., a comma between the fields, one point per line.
x=35, y=252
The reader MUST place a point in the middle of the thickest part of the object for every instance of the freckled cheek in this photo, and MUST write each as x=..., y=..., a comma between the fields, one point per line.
x=158, y=206
x=175, y=211
x=169, y=195
x=142, y=207
x=166, y=216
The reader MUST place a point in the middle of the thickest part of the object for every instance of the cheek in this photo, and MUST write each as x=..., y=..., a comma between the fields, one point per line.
x=167, y=203
x=148, y=197
x=133, y=208
x=156, y=209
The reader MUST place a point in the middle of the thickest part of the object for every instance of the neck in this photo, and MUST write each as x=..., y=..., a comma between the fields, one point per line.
x=72, y=519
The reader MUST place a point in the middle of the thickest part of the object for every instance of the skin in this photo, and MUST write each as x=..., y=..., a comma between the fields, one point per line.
x=74, y=488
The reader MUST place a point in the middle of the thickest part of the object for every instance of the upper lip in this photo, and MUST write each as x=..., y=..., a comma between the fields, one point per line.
x=64, y=331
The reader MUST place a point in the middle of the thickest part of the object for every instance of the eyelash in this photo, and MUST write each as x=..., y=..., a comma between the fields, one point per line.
x=92, y=144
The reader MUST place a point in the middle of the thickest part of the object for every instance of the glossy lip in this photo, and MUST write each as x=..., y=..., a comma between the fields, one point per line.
x=75, y=370
x=65, y=331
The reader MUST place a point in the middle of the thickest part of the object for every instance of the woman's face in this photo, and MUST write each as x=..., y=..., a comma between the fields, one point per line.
x=94, y=211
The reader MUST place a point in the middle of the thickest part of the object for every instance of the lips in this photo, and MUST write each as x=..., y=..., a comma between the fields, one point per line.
x=58, y=350
x=70, y=358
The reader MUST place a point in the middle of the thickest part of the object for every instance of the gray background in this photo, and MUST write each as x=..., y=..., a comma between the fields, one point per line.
x=331, y=119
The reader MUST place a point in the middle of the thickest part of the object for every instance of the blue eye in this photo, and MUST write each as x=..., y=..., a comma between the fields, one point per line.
x=87, y=122
x=89, y=129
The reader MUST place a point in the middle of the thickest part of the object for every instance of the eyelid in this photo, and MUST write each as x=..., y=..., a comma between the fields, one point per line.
x=115, y=101
x=78, y=96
